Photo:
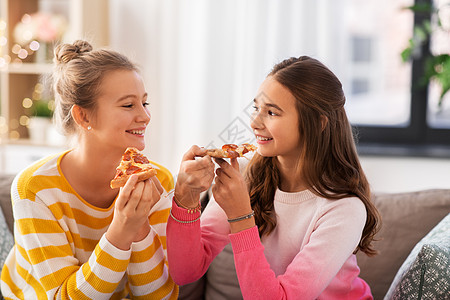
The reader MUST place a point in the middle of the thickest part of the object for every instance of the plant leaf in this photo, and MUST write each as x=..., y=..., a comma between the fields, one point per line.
x=420, y=7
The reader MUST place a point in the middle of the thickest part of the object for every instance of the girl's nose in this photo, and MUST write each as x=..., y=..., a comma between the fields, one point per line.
x=256, y=121
x=144, y=115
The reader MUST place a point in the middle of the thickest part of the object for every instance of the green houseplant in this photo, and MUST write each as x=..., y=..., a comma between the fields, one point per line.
x=437, y=66
x=41, y=113
x=42, y=108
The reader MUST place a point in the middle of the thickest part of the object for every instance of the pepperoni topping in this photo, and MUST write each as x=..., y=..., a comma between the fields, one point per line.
x=140, y=159
x=227, y=147
x=229, y=150
x=118, y=173
x=126, y=156
x=231, y=154
x=132, y=169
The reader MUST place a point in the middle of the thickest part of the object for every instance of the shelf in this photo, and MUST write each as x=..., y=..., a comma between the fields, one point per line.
x=29, y=143
x=28, y=68
x=23, y=80
x=14, y=157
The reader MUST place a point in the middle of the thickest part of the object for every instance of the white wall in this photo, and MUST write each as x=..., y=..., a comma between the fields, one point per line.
x=403, y=174
x=197, y=56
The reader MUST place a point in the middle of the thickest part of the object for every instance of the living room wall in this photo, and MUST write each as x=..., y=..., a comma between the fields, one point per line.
x=201, y=72
x=403, y=174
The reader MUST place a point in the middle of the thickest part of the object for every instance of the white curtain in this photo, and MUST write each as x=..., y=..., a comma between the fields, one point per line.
x=203, y=61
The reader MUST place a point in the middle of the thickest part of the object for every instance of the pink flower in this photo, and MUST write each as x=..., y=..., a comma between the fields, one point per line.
x=43, y=27
x=46, y=31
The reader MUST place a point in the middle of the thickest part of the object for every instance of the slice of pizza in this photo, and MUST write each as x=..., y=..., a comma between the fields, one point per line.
x=231, y=150
x=133, y=162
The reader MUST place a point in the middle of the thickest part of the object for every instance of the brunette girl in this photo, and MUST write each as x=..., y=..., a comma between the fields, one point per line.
x=301, y=209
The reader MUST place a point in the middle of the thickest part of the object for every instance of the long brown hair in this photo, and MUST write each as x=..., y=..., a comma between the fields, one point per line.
x=329, y=161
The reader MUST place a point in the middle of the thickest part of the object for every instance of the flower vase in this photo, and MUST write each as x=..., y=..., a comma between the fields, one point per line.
x=37, y=129
x=44, y=54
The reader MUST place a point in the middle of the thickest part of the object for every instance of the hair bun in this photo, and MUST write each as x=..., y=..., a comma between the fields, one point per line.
x=82, y=46
x=66, y=52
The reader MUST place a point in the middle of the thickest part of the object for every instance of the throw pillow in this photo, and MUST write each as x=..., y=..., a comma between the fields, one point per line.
x=6, y=242
x=425, y=273
x=406, y=219
x=221, y=278
x=5, y=198
x=6, y=239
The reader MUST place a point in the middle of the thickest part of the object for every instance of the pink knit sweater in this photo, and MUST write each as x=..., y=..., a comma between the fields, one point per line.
x=309, y=255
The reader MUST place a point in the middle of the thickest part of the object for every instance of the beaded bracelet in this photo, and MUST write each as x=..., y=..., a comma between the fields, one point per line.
x=189, y=209
x=184, y=222
x=244, y=217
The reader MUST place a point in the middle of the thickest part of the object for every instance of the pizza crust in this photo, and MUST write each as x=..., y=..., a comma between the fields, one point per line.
x=217, y=153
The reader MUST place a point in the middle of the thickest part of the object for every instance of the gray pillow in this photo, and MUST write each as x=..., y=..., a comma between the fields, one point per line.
x=6, y=239
x=425, y=274
x=5, y=198
x=219, y=283
x=221, y=279
x=6, y=242
x=406, y=219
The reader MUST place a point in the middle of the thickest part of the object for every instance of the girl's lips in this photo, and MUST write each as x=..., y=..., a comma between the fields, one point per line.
x=263, y=140
x=139, y=132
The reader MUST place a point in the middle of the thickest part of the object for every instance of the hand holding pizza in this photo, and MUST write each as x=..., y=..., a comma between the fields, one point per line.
x=195, y=176
x=131, y=211
x=230, y=192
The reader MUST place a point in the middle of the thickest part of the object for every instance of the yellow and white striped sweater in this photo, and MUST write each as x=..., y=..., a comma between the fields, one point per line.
x=60, y=246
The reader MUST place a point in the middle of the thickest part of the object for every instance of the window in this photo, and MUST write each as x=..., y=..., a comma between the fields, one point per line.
x=361, y=49
x=387, y=104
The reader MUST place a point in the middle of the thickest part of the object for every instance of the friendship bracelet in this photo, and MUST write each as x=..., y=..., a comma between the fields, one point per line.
x=244, y=217
x=189, y=209
x=181, y=221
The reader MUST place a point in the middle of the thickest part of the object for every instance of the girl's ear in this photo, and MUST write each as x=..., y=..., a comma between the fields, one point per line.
x=324, y=122
x=81, y=117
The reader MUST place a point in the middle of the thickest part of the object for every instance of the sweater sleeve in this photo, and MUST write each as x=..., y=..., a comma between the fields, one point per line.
x=335, y=236
x=190, y=248
x=45, y=255
x=148, y=273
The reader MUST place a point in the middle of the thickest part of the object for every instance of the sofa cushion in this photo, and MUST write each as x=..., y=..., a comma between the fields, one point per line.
x=219, y=283
x=221, y=278
x=406, y=219
x=426, y=271
x=193, y=291
x=5, y=198
x=6, y=241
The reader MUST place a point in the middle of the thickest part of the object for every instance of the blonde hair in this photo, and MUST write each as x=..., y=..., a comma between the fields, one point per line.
x=78, y=74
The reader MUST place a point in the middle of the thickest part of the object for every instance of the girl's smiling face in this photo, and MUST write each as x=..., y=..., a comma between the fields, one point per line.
x=275, y=121
x=121, y=114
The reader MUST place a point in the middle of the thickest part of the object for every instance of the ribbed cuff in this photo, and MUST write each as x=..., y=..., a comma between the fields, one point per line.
x=181, y=214
x=144, y=243
x=106, y=246
x=245, y=240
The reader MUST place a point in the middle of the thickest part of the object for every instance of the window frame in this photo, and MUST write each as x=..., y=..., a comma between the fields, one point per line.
x=418, y=138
